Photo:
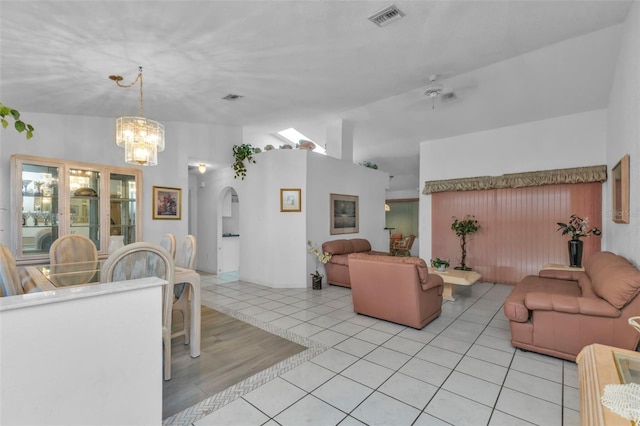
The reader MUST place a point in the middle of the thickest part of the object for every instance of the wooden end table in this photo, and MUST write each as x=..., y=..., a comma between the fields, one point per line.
x=453, y=277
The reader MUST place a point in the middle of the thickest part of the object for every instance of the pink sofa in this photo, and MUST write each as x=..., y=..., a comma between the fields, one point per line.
x=560, y=312
x=337, y=268
x=397, y=289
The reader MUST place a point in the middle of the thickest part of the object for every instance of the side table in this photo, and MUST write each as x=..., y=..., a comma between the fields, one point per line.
x=558, y=267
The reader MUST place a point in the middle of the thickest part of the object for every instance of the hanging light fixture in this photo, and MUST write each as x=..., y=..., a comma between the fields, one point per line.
x=202, y=168
x=140, y=137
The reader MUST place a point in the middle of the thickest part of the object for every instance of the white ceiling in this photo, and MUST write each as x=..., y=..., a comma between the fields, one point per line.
x=309, y=63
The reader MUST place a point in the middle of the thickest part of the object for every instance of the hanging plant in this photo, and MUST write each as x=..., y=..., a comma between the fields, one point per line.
x=241, y=153
x=20, y=125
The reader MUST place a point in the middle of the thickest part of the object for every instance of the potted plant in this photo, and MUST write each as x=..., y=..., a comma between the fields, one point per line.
x=462, y=228
x=19, y=125
x=440, y=264
x=316, y=277
x=577, y=228
x=241, y=153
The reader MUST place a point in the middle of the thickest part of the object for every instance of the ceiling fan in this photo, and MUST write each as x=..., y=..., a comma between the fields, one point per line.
x=433, y=90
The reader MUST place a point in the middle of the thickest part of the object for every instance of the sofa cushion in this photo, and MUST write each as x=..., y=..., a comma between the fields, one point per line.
x=515, y=307
x=340, y=259
x=613, y=278
x=420, y=264
x=360, y=245
x=337, y=247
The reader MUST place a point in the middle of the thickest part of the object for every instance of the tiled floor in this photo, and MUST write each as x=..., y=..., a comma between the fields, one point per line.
x=460, y=369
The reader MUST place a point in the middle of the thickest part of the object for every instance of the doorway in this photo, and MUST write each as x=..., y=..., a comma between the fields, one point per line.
x=229, y=225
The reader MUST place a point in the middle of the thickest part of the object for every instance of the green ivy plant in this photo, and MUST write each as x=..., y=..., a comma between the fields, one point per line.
x=462, y=228
x=19, y=125
x=370, y=165
x=241, y=153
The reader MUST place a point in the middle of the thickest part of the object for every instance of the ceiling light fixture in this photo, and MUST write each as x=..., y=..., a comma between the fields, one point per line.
x=140, y=137
x=202, y=168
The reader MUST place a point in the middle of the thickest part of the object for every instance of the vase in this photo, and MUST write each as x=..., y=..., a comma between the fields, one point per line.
x=575, y=253
x=115, y=242
x=316, y=283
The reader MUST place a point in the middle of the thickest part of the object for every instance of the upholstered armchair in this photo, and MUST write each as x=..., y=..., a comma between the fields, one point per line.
x=398, y=289
x=140, y=260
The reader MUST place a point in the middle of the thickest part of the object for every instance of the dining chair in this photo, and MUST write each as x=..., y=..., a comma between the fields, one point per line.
x=74, y=248
x=168, y=242
x=9, y=277
x=140, y=260
x=185, y=260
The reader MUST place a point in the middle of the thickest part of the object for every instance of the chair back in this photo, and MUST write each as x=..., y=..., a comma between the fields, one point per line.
x=168, y=242
x=141, y=260
x=9, y=277
x=187, y=253
x=73, y=248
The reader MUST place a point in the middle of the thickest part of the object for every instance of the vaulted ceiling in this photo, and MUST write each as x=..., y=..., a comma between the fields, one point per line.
x=309, y=63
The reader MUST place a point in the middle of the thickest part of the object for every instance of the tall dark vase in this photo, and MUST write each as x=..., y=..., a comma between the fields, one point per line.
x=575, y=253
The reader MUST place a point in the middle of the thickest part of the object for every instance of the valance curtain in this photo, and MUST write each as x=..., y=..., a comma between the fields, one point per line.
x=519, y=180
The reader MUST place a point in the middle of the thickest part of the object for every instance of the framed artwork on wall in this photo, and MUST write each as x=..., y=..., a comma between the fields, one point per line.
x=620, y=191
x=290, y=200
x=167, y=203
x=344, y=214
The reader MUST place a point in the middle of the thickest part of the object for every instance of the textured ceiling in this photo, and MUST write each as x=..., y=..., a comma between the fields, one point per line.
x=309, y=63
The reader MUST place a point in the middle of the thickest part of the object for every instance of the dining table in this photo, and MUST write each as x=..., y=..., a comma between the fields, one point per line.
x=64, y=275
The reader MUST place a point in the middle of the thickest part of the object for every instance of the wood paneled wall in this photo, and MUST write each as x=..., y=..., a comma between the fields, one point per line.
x=518, y=233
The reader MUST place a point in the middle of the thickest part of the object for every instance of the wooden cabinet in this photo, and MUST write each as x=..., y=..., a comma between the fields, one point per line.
x=52, y=198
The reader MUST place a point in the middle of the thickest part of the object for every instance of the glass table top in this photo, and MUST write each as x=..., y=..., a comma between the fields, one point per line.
x=68, y=274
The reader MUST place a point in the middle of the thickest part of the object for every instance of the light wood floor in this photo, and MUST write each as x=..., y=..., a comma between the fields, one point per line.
x=231, y=351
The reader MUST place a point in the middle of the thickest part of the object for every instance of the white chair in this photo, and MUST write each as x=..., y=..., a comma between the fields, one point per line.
x=185, y=260
x=168, y=242
x=139, y=260
x=9, y=277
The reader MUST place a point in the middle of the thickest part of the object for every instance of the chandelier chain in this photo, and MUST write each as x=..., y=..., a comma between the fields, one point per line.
x=126, y=86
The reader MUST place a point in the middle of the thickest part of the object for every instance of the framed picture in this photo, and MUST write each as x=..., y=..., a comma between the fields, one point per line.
x=167, y=203
x=344, y=214
x=290, y=200
x=620, y=191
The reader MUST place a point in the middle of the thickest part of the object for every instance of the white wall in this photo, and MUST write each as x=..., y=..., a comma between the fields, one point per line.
x=570, y=141
x=623, y=137
x=273, y=244
x=92, y=139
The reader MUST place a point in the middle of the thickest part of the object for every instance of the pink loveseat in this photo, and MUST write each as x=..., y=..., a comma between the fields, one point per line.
x=560, y=312
x=337, y=268
x=397, y=289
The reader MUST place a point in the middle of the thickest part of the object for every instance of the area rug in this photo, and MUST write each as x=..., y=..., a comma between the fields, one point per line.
x=238, y=354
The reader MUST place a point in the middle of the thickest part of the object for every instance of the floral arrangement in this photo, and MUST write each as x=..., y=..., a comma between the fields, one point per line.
x=437, y=263
x=578, y=227
x=320, y=257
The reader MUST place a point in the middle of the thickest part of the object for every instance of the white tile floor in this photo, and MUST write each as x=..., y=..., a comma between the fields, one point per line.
x=460, y=369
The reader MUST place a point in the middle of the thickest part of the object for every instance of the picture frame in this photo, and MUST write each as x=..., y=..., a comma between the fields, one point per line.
x=167, y=203
x=344, y=214
x=620, y=191
x=290, y=200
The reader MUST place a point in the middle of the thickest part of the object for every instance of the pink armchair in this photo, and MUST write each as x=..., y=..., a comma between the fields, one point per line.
x=397, y=289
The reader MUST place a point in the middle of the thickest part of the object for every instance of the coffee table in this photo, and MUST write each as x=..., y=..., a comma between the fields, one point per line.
x=453, y=277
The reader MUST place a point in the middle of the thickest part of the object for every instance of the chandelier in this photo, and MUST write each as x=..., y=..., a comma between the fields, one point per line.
x=140, y=137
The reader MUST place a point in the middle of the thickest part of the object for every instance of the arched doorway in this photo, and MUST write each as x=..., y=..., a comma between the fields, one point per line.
x=229, y=235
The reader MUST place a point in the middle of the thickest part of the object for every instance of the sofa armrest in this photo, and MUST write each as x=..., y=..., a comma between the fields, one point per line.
x=433, y=280
x=573, y=305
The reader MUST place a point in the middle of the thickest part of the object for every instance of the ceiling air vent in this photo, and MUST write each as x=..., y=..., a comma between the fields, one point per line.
x=231, y=97
x=386, y=16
